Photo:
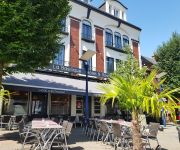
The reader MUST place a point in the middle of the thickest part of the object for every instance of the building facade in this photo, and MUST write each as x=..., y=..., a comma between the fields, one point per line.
x=59, y=89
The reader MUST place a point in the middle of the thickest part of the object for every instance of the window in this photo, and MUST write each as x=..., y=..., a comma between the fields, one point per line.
x=79, y=104
x=109, y=64
x=117, y=39
x=60, y=104
x=116, y=13
x=59, y=57
x=18, y=104
x=125, y=40
x=63, y=25
x=123, y=16
x=86, y=30
x=89, y=62
x=97, y=105
x=109, y=37
x=110, y=9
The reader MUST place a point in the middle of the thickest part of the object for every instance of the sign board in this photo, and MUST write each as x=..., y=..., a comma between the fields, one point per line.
x=67, y=69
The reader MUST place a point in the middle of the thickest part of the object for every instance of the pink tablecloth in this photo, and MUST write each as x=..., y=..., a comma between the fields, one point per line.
x=44, y=124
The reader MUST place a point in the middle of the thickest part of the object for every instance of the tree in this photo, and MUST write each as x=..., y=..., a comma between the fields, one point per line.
x=168, y=60
x=137, y=92
x=29, y=33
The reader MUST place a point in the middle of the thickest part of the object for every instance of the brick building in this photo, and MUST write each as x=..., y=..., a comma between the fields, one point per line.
x=59, y=89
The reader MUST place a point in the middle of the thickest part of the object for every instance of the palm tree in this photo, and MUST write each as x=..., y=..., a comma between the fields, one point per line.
x=4, y=98
x=138, y=93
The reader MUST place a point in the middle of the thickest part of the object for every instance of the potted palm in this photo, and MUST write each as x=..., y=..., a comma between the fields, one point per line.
x=138, y=92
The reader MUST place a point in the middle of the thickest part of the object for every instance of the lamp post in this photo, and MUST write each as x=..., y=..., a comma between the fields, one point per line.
x=85, y=57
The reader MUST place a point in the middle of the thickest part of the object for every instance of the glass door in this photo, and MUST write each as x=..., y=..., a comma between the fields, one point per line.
x=39, y=105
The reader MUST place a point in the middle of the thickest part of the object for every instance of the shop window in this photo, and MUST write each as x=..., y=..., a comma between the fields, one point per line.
x=79, y=104
x=109, y=38
x=125, y=40
x=60, y=104
x=18, y=104
x=117, y=39
x=97, y=105
x=86, y=30
x=39, y=104
x=59, y=57
x=109, y=64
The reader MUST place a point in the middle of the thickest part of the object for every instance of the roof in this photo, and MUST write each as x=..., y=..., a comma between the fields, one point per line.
x=150, y=60
x=44, y=83
x=115, y=1
x=105, y=13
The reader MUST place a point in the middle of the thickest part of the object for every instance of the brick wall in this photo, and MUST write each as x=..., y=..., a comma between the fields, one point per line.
x=99, y=50
x=74, y=43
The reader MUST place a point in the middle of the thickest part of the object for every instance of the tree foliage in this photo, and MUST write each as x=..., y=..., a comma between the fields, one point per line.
x=168, y=60
x=29, y=33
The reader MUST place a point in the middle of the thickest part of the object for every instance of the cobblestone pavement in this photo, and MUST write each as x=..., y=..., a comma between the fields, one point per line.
x=168, y=139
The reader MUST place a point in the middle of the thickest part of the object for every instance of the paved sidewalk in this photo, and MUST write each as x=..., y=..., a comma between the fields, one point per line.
x=168, y=140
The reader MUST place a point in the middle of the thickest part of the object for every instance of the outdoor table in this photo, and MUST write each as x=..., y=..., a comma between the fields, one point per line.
x=46, y=129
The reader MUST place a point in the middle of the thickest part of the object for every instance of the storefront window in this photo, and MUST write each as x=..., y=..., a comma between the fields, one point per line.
x=60, y=104
x=79, y=104
x=18, y=104
x=97, y=105
x=39, y=104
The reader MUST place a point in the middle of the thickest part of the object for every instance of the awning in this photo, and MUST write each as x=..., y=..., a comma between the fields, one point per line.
x=49, y=83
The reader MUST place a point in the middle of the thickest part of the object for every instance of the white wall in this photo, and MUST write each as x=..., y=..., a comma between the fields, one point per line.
x=95, y=18
x=73, y=105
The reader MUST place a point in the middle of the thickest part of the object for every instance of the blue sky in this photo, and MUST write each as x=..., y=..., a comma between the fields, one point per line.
x=157, y=19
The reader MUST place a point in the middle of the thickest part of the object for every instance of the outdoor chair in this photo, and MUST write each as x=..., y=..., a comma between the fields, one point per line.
x=6, y=121
x=68, y=129
x=27, y=136
x=73, y=120
x=58, y=139
x=96, y=128
x=64, y=124
x=15, y=121
x=105, y=132
x=151, y=133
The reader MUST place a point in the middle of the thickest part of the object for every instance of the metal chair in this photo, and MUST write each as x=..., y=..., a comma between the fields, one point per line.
x=6, y=121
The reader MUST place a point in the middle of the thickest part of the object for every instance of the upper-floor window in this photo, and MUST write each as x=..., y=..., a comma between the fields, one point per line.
x=63, y=25
x=89, y=63
x=59, y=57
x=110, y=9
x=116, y=13
x=109, y=64
x=109, y=37
x=117, y=40
x=125, y=40
x=86, y=30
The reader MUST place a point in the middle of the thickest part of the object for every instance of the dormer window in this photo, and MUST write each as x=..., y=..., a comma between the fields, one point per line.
x=110, y=9
x=86, y=30
x=116, y=13
x=109, y=38
x=125, y=40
